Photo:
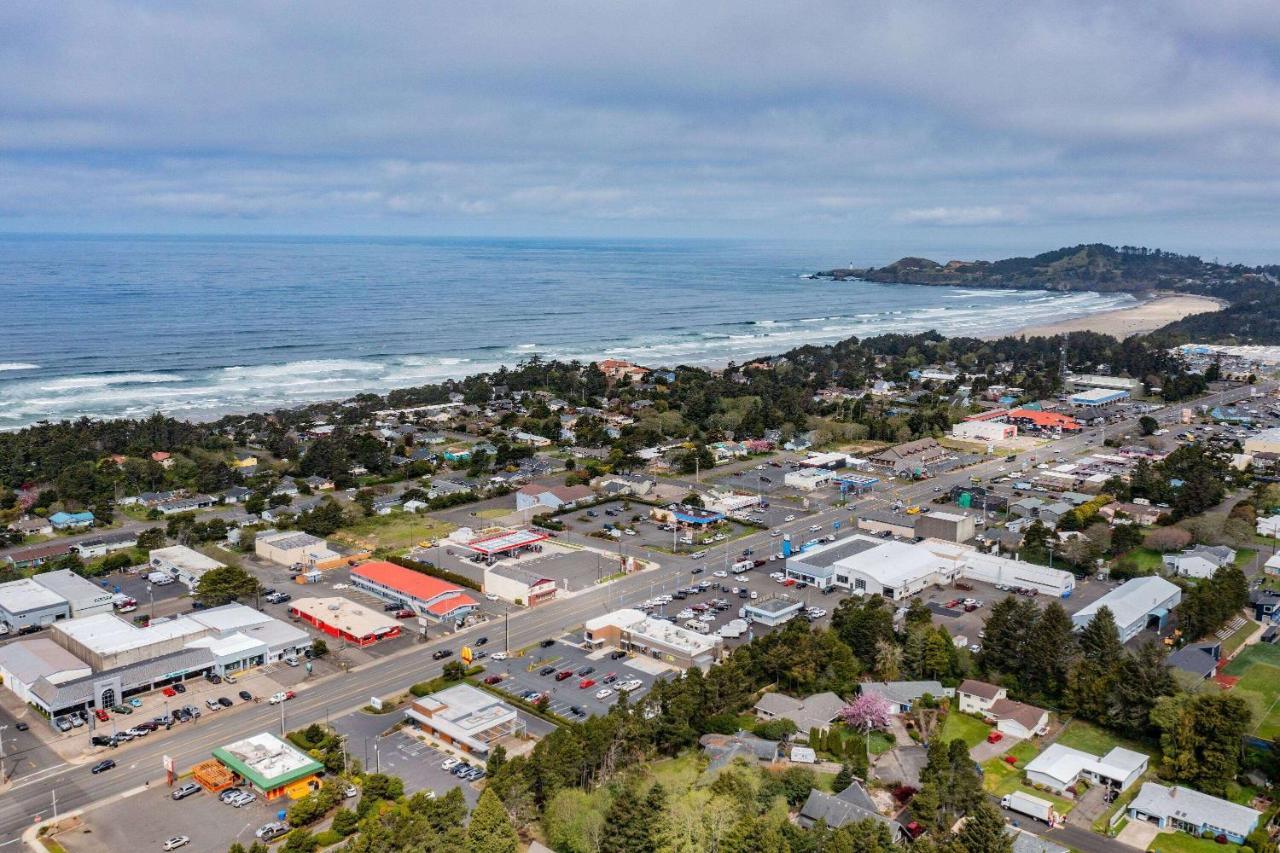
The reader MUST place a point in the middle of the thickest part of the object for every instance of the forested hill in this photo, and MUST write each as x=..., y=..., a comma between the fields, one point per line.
x=1095, y=266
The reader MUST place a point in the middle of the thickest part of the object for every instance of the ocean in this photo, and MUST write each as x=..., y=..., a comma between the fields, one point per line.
x=197, y=327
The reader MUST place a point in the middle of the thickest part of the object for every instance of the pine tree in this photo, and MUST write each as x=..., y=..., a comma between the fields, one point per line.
x=628, y=824
x=1095, y=672
x=1141, y=679
x=843, y=779
x=655, y=813
x=1100, y=640
x=984, y=832
x=1048, y=651
x=490, y=830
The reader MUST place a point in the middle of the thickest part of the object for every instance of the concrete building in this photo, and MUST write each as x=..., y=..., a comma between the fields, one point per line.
x=23, y=664
x=83, y=597
x=25, y=603
x=1136, y=605
x=1097, y=398
x=346, y=620
x=1059, y=767
x=869, y=566
x=294, y=548
x=883, y=521
x=988, y=431
x=429, y=597
x=273, y=767
x=808, y=479
x=631, y=630
x=465, y=717
x=1190, y=811
x=1111, y=383
x=683, y=515
x=772, y=611
x=518, y=585
x=948, y=526
x=1001, y=571
x=183, y=563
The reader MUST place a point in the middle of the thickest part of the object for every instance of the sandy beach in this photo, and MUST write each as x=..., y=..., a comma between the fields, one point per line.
x=1146, y=316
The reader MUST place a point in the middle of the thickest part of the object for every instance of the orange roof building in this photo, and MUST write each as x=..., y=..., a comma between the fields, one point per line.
x=1043, y=420
x=426, y=595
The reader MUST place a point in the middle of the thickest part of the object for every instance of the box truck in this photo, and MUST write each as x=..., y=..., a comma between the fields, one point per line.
x=1030, y=806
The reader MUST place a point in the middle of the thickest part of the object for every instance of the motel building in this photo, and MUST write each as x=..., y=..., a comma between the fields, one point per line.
x=429, y=597
x=272, y=767
x=466, y=718
x=346, y=620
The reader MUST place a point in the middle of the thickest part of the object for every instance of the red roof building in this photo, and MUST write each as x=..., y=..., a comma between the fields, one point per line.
x=1043, y=420
x=426, y=595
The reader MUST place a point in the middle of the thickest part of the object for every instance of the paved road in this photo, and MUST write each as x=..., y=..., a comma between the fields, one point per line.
x=141, y=762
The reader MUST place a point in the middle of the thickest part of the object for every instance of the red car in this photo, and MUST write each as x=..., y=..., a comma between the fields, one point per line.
x=406, y=613
x=586, y=682
x=289, y=694
x=169, y=691
x=563, y=674
x=994, y=737
x=493, y=679
x=101, y=714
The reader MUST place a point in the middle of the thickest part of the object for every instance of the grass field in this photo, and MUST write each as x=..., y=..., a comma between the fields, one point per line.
x=1237, y=639
x=880, y=743
x=399, y=529
x=1089, y=738
x=1258, y=668
x=1146, y=560
x=1180, y=842
x=969, y=729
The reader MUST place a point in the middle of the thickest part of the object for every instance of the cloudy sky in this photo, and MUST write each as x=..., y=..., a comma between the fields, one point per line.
x=956, y=124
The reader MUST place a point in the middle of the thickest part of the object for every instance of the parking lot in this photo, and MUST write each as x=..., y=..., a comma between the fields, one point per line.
x=522, y=674
x=570, y=568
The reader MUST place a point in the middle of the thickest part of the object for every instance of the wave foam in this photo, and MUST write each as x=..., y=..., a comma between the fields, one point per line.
x=18, y=365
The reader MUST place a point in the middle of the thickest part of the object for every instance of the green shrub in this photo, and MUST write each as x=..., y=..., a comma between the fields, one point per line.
x=328, y=838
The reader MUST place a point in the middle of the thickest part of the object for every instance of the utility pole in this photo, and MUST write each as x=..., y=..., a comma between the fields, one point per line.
x=506, y=630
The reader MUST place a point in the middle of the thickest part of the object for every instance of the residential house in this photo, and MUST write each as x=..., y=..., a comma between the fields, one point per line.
x=1192, y=812
x=1026, y=508
x=813, y=712
x=1142, y=514
x=723, y=749
x=236, y=494
x=902, y=695
x=71, y=520
x=1059, y=767
x=851, y=805
x=1051, y=514
x=1198, y=660
x=534, y=496
x=1016, y=719
x=1199, y=561
x=33, y=525
x=1265, y=604
x=1269, y=526
x=318, y=483
x=165, y=459
x=977, y=697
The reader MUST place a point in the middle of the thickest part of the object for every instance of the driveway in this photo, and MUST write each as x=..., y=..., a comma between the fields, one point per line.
x=986, y=751
x=1138, y=834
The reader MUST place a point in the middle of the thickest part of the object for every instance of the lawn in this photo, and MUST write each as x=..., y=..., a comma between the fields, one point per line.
x=880, y=743
x=1145, y=560
x=969, y=729
x=1089, y=738
x=1180, y=842
x=678, y=774
x=999, y=779
x=399, y=530
x=1258, y=668
x=1237, y=639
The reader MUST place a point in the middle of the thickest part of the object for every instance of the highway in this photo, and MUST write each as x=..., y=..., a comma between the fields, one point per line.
x=140, y=762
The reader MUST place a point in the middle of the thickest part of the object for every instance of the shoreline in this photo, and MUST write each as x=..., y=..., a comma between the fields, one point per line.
x=1152, y=312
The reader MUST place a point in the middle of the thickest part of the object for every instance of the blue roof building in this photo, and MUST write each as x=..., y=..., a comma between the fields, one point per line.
x=70, y=520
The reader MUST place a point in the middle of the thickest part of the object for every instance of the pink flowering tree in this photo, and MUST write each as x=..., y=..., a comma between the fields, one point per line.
x=869, y=711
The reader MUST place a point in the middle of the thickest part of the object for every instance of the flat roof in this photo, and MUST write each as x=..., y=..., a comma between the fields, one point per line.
x=290, y=539
x=267, y=761
x=108, y=634
x=70, y=585
x=184, y=557
x=25, y=595
x=827, y=555
x=346, y=616
x=1099, y=395
x=775, y=605
x=646, y=628
x=508, y=540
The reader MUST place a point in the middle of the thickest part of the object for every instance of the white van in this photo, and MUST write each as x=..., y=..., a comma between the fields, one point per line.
x=699, y=627
x=160, y=578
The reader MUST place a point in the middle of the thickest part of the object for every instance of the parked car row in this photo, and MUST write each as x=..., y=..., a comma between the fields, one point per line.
x=463, y=770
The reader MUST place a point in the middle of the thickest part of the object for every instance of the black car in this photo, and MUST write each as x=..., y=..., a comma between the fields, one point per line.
x=576, y=711
x=390, y=605
x=482, y=641
x=546, y=644
x=246, y=695
x=179, y=688
x=101, y=740
x=546, y=670
x=214, y=678
x=441, y=654
x=22, y=727
x=102, y=766
x=586, y=670
x=225, y=702
x=618, y=655
x=697, y=570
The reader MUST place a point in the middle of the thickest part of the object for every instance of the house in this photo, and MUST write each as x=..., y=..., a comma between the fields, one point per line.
x=33, y=525
x=1269, y=526
x=977, y=697
x=100, y=546
x=1051, y=514
x=318, y=483
x=1142, y=514
x=1018, y=719
x=902, y=695
x=1199, y=561
x=286, y=486
x=1265, y=604
x=444, y=488
x=851, y=805
x=177, y=505
x=913, y=457
x=1199, y=660
x=71, y=520
x=165, y=459
x=35, y=555
x=723, y=749
x=236, y=494
x=812, y=712
x=1026, y=508
x=536, y=496
x=1193, y=812
x=1059, y=767
x=531, y=439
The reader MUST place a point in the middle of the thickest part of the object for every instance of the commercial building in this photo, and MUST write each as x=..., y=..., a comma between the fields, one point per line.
x=345, y=619
x=272, y=766
x=1059, y=767
x=808, y=479
x=124, y=659
x=1267, y=441
x=1192, y=812
x=25, y=603
x=518, y=585
x=302, y=550
x=912, y=458
x=1111, y=383
x=686, y=516
x=989, y=568
x=989, y=431
x=870, y=566
x=1036, y=420
x=948, y=526
x=101, y=546
x=23, y=664
x=1097, y=398
x=183, y=563
x=83, y=597
x=1136, y=605
x=498, y=542
x=631, y=630
x=879, y=521
x=773, y=611
x=465, y=717
x=427, y=596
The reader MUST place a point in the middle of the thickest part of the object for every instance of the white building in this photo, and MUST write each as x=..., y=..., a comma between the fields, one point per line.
x=517, y=584
x=83, y=597
x=1269, y=526
x=1135, y=604
x=183, y=563
x=989, y=431
x=870, y=566
x=1059, y=767
x=1001, y=571
x=808, y=479
x=631, y=630
x=465, y=717
x=1267, y=441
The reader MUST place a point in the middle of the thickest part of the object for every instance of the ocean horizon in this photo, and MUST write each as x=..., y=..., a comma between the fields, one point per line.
x=196, y=327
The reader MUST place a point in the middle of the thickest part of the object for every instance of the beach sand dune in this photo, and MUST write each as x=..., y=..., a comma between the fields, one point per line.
x=1147, y=316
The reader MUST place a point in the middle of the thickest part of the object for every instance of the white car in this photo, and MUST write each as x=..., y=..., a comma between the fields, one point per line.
x=698, y=555
x=176, y=842
x=720, y=573
x=754, y=595
x=775, y=534
x=491, y=596
x=292, y=661
x=633, y=684
x=276, y=698
x=498, y=656
x=814, y=528
x=789, y=518
x=629, y=532
x=449, y=763
x=685, y=614
x=604, y=694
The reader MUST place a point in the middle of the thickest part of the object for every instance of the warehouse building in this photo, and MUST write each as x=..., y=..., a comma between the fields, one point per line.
x=1137, y=604
x=427, y=596
x=1098, y=398
x=772, y=611
x=808, y=479
x=25, y=603
x=993, y=569
x=634, y=631
x=989, y=431
x=185, y=564
x=83, y=597
x=869, y=566
x=1267, y=441
x=948, y=526
x=293, y=548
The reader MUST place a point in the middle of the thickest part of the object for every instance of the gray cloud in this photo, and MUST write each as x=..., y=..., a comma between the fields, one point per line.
x=1008, y=122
